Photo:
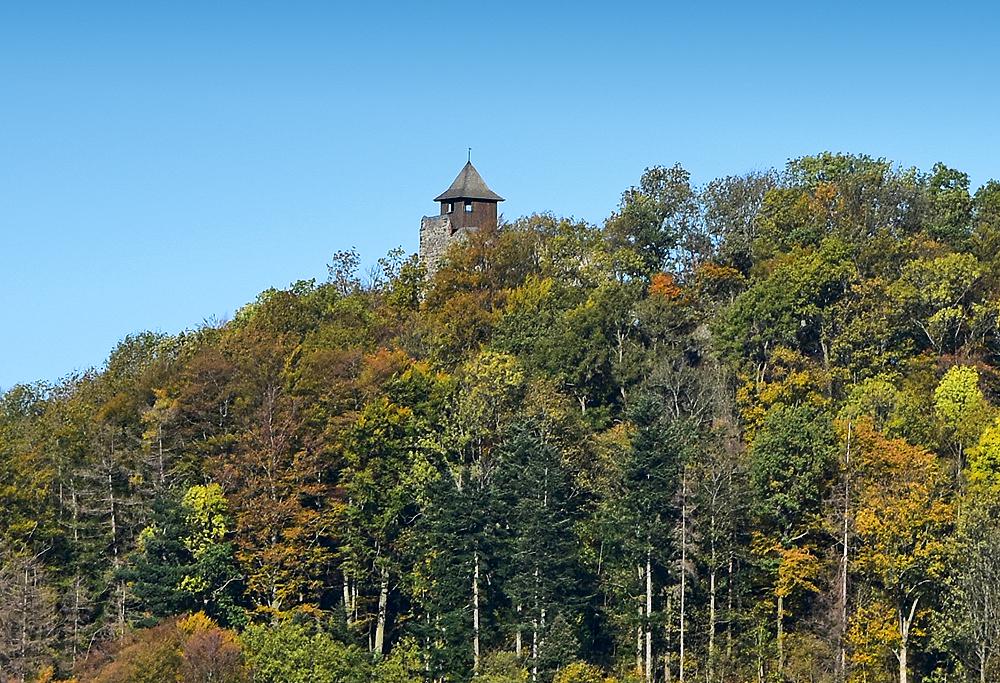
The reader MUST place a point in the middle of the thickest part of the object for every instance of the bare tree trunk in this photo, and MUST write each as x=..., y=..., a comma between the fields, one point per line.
x=518, y=646
x=638, y=630
x=711, y=617
x=76, y=617
x=781, y=636
x=649, y=611
x=680, y=672
x=760, y=653
x=383, y=605
x=905, y=622
x=347, y=600
x=159, y=447
x=729, y=608
x=475, y=613
x=534, y=629
x=667, y=669
x=534, y=647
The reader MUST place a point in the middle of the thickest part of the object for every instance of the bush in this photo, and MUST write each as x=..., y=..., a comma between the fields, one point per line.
x=579, y=672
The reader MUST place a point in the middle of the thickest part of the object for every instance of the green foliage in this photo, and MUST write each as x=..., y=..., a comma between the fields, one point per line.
x=503, y=667
x=292, y=653
x=205, y=512
x=960, y=406
x=791, y=462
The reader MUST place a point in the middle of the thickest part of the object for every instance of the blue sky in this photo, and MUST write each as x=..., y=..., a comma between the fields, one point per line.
x=162, y=163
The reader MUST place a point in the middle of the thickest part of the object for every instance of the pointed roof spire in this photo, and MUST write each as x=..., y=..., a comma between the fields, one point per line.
x=469, y=185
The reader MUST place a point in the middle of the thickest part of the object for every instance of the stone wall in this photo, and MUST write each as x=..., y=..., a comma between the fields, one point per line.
x=435, y=236
x=437, y=233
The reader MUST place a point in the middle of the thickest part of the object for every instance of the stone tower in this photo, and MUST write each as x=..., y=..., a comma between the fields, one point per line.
x=468, y=205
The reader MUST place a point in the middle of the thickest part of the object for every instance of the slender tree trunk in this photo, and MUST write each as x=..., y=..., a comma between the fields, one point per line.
x=638, y=629
x=781, y=637
x=23, y=654
x=159, y=446
x=534, y=647
x=711, y=617
x=680, y=670
x=649, y=611
x=347, y=600
x=76, y=616
x=383, y=605
x=760, y=653
x=354, y=600
x=517, y=635
x=116, y=562
x=667, y=669
x=729, y=608
x=534, y=629
x=475, y=613
x=905, y=622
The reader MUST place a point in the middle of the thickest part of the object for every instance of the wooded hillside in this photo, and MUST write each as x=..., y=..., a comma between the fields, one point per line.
x=741, y=432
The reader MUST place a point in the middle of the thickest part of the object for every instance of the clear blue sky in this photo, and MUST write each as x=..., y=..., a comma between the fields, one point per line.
x=162, y=163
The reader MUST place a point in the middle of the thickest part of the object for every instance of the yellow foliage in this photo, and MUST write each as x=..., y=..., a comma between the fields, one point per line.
x=193, y=623
x=790, y=378
x=871, y=634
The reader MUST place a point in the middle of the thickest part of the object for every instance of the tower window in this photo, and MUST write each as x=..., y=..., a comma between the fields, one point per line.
x=451, y=207
x=468, y=207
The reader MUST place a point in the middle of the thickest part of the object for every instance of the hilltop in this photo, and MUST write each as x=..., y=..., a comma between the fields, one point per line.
x=745, y=431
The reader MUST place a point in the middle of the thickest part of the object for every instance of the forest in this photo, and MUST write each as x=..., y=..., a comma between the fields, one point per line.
x=740, y=432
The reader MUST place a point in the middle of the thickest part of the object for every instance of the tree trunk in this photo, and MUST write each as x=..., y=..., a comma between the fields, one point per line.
x=680, y=668
x=649, y=611
x=347, y=600
x=475, y=613
x=781, y=637
x=638, y=630
x=669, y=609
x=534, y=648
x=534, y=628
x=711, y=617
x=729, y=608
x=383, y=604
x=905, y=622
x=518, y=646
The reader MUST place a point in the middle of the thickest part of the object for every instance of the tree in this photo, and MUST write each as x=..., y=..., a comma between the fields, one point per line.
x=389, y=469
x=287, y=652
x=642, y=512
x=659, y=221
x=975, y=595
x=962, y=409
x=902, y=521
x=791, y=465
x=544, y=582
x=732, y=210
x=950, y=205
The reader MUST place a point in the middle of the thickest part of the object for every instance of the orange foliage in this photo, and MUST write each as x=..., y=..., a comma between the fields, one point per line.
x=663, y=285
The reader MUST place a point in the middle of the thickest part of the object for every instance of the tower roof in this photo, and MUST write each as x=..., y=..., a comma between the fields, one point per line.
x=469, y=185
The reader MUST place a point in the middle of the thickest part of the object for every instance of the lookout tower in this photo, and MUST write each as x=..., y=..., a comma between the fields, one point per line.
x=468, y=205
